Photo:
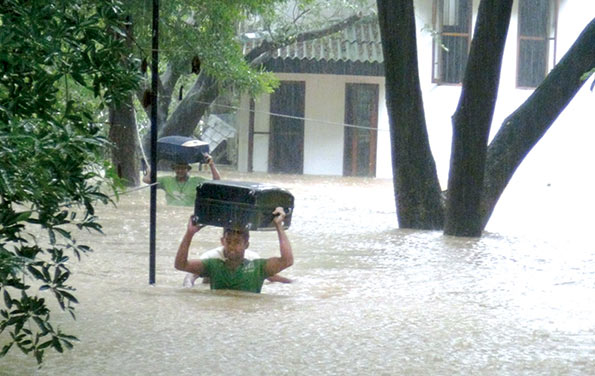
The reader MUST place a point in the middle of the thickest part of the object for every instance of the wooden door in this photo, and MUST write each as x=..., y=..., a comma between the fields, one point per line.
x=286, y=147
x=361, y=110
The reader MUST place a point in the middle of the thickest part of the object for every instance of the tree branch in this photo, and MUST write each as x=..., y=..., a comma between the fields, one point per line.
x=473, y=117
x=205, y=90
x=521, y=131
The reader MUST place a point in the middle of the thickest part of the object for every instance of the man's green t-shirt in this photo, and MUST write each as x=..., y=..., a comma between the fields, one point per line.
x=179, y=193
x=249, y=276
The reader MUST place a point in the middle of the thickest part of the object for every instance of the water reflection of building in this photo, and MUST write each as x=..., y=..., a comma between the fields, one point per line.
x=340, y=80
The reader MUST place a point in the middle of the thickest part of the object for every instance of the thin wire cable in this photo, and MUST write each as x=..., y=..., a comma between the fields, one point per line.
x=319, y=121
x=132, y=190
x=297, y=117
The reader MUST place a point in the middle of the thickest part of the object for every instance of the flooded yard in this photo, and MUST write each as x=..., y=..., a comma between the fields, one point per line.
x=368, y=298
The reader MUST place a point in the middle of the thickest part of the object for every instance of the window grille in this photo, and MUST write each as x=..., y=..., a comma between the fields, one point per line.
x=536, y=41
x=452, y=22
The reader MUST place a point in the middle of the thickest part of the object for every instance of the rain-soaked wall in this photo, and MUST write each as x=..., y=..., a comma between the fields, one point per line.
x=325, y=99
x=440, y=101
x=323, y=126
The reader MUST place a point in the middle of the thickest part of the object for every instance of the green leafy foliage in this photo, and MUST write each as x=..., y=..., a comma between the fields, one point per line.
x=61, y=62
x=215, y=33
x=201, y=28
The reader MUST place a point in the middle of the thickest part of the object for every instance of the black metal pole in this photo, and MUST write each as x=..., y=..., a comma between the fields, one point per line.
x=154, y=90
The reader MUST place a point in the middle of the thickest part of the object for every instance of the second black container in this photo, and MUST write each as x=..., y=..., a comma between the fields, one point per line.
x=180, y=149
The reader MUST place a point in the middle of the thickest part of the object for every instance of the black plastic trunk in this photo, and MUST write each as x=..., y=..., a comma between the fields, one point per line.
x=245, y=205
x=180, y=149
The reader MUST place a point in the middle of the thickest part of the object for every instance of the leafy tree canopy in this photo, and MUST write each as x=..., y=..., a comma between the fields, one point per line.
x=203, y=29
x=61, y=62
x=215, y=32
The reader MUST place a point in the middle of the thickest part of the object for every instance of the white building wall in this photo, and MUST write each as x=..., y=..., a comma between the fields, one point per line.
x=262, y=126
x=323, y=133
x=325, y=99
x=384, y=167
x=440, y=101
x=243, y=120
x=323, y=126
x=261, y=129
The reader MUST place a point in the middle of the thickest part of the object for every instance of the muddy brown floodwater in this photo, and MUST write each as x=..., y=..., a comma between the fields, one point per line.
x=368, y=298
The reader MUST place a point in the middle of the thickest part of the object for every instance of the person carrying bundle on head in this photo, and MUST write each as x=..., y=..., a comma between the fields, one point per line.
x=180, y=190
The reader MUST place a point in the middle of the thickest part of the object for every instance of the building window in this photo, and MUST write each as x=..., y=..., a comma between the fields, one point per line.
x=452, y=22
x=537, y=41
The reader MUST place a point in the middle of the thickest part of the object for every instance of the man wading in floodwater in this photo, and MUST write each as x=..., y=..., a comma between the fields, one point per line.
x=180, y=190
x=236, y=272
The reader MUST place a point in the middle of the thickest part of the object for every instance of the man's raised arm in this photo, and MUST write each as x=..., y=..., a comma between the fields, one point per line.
x=194, y=266
x=214, y=171
x=275, y=264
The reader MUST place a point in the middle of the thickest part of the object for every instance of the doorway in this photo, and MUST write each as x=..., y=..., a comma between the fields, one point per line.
x=361, y=111
x=286, y=150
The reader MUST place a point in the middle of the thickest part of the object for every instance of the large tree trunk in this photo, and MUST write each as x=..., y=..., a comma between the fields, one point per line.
x=191, y=109
x=473, y=117
x=167, y=83
x=123, y=135
x=525, y=127
x=519, y=132
x=416, y=184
